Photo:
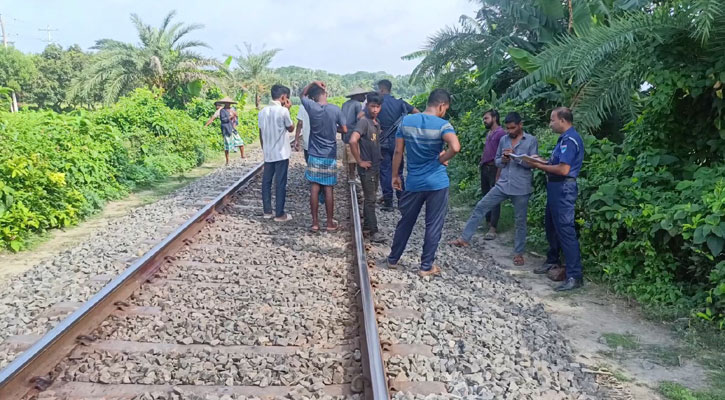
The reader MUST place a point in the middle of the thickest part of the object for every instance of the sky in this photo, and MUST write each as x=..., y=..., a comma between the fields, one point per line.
x=334, y=35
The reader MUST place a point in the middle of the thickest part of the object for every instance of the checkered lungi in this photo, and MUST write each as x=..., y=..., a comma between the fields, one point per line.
x=322, y=171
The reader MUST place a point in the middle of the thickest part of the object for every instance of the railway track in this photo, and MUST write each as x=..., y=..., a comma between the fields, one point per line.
x=229, y=304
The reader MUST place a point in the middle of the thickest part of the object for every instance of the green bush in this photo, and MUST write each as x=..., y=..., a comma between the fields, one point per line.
x=650, y=212
x=56, y=169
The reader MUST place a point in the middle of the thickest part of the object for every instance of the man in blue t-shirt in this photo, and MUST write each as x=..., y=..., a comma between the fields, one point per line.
x=422, y=138
x=326, y=120
x=391, y=112
x=562, y=169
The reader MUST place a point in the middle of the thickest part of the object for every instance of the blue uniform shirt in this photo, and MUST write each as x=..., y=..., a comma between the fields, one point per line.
x=569, y=150
x=390, y=111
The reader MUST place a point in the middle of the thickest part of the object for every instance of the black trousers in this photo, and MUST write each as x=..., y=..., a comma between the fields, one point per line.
x=488, y=181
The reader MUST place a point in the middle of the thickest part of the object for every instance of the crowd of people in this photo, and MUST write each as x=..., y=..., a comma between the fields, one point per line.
x=383, y=135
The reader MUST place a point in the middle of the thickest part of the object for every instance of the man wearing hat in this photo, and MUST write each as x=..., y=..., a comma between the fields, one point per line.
x=227, y=116
x=350, y=110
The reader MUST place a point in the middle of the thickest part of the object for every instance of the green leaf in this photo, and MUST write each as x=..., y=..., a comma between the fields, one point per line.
x=683, y=185
x=699, y=236
x=715, y=244
x=195, y=87
x=552, y=8
x=582, y=18
x=16, y=245
x=523, y=59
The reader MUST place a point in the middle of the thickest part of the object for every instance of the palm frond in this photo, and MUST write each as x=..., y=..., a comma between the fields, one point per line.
x=705, y=13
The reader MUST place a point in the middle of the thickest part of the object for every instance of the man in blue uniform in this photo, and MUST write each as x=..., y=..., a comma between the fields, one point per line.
x=561, y=192
x=391, y=114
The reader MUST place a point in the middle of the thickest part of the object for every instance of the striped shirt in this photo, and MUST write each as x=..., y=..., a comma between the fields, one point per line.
x=423, y=136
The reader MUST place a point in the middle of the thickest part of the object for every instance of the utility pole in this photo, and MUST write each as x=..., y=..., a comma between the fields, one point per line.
x=2, y=26
x=14, y=101
x=48, y=30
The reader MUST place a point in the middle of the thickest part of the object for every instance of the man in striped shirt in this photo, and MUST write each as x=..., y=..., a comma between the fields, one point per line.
x=423, y=137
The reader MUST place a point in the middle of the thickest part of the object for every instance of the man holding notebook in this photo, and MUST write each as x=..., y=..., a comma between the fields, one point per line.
x=515, y=183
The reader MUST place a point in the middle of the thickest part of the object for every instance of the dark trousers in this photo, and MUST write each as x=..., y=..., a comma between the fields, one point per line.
x=560, y=231
x=488, y=181
x=386, y=173
x=369, y=179
x=410, y=204
x=276, y=171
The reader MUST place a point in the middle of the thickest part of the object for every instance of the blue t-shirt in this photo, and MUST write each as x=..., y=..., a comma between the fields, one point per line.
x=569, y=150
x=423, y=136
x=324, y=120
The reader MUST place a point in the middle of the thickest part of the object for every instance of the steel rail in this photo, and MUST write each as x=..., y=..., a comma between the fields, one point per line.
x=29, y=370
x=377, y=387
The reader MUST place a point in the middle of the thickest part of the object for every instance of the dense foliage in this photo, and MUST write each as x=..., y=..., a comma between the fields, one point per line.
x=57, y=168
x=645, y=82
x=163, y=59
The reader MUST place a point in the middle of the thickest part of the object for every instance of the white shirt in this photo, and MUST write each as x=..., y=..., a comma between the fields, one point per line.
x=305, y=118
x=273, y=122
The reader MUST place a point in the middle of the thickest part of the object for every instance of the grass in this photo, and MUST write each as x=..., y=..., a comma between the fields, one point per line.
x=625, y=341
x=675, y=391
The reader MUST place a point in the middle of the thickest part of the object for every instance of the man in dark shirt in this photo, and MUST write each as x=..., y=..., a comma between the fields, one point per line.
x=365, y=147
x=325, y=121
x=350, y=110
x=489, y=170
x=391, y=113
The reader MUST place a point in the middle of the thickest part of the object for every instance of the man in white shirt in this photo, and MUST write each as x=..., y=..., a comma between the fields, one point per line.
x=274, y=126
x=303, y=127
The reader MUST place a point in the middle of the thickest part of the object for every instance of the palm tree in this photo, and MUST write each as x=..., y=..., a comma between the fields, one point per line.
x=253, y=70
x=603, y=72
x=480, y=43
x=162, y=59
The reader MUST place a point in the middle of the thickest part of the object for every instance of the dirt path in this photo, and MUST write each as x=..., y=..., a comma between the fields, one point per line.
x=605, y=332
x=57, y=240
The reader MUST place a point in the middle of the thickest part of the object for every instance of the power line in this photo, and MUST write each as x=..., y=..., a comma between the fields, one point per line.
x=47, y=29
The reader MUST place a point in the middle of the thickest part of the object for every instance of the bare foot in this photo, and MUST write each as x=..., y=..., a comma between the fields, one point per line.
x=519, y=260
x=458, y=243
x=435, y=270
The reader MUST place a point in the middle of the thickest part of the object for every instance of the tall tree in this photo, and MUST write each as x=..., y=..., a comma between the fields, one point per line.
x=56, y=70
x=253, y=70
x=17, y=71
x=163, y=59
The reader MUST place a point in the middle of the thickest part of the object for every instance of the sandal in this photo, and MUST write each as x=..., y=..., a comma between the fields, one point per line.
x=315, y=228
x=335, y=227
x=519, y=260
x=489, y=236
x=459, y=243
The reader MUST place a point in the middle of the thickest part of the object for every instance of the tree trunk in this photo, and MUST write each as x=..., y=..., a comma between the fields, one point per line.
x=571, y=16
x=14, y=104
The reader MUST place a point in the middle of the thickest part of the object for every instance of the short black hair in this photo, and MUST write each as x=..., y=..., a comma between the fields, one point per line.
x=314, y=92
x=375, y=97
x=512, y=117
x=279, y=90
x=565, y=114
x=439, y=96
x=385, y=84
x=494, y=114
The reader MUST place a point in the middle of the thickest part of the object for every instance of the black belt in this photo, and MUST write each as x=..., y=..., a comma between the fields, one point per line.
x=560, y=179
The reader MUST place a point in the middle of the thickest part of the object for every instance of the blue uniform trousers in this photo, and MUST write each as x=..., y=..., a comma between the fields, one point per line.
x=560, y=231
x=386, y=173
x=410, y=204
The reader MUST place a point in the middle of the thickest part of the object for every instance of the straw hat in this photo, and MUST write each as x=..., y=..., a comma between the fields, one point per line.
x=356, y=91
x=226, y=100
